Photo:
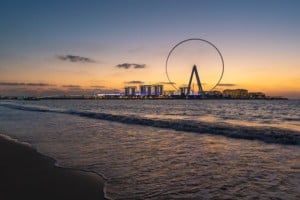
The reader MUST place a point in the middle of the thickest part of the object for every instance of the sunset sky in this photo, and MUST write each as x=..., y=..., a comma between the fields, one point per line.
x=86, y=46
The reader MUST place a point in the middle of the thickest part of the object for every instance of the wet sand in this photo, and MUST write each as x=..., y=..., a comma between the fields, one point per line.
x=27, y=174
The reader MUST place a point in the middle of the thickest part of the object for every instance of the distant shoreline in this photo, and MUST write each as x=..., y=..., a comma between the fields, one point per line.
x=133, y=98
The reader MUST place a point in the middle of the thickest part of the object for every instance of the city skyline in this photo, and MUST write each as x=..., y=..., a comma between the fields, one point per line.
x=57, y=47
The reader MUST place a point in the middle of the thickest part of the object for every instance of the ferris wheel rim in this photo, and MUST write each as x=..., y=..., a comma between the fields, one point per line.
x=194, y=39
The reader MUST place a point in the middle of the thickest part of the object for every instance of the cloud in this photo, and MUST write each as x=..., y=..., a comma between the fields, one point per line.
x=139, y=66
x=124, y=65
x=24, y=84
x=227, y=84
x=73, y=58
x=38, y=84
x=134, y=82
x=97, y=86
x=71, y=86
x=131, y=65
x=166, y=83
x=113, y=90
x=26, y=89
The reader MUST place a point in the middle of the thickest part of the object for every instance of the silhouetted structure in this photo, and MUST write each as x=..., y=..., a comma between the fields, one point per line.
x=236, y=94
x=200, y=89
x=213, y=94
x=257, y=95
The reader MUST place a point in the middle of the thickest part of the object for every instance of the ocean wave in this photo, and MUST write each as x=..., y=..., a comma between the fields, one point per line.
x=292, y=119
x=265, y=134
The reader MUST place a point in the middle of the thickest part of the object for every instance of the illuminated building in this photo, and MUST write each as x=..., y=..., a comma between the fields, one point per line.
x=213, y=94
x=146, y=90
x=257, y=95
x=236, y=94
x=169, y=93
x=158, y=90
x=150, y=90
x=130, y=91
x=184, y=91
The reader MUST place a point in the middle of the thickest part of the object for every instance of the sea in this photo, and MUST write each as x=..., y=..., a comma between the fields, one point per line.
x=168, y=149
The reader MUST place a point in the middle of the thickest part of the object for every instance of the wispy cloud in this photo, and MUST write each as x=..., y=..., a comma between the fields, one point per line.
x=24, y=84
x=98, y=86
x=131, y=65
x=112, y=90
x=71, y=86
x=227, y=84
x=166, y=83
x=73, y=58
x=28, y=89
x=139, y=66
x=134, y=82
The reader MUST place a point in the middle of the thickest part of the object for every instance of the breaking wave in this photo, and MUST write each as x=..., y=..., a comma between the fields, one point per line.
x=265, y=134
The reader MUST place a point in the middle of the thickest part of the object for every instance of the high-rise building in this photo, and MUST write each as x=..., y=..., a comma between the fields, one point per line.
x=146, y=90
x=184, y=91
x=130, y=91
x=151, y=90
x=158, y=90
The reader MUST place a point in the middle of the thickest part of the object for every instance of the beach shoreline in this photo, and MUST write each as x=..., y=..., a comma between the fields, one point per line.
x=26, y=173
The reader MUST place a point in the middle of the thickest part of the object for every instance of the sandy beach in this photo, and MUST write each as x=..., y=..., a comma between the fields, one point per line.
x=27, y=174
